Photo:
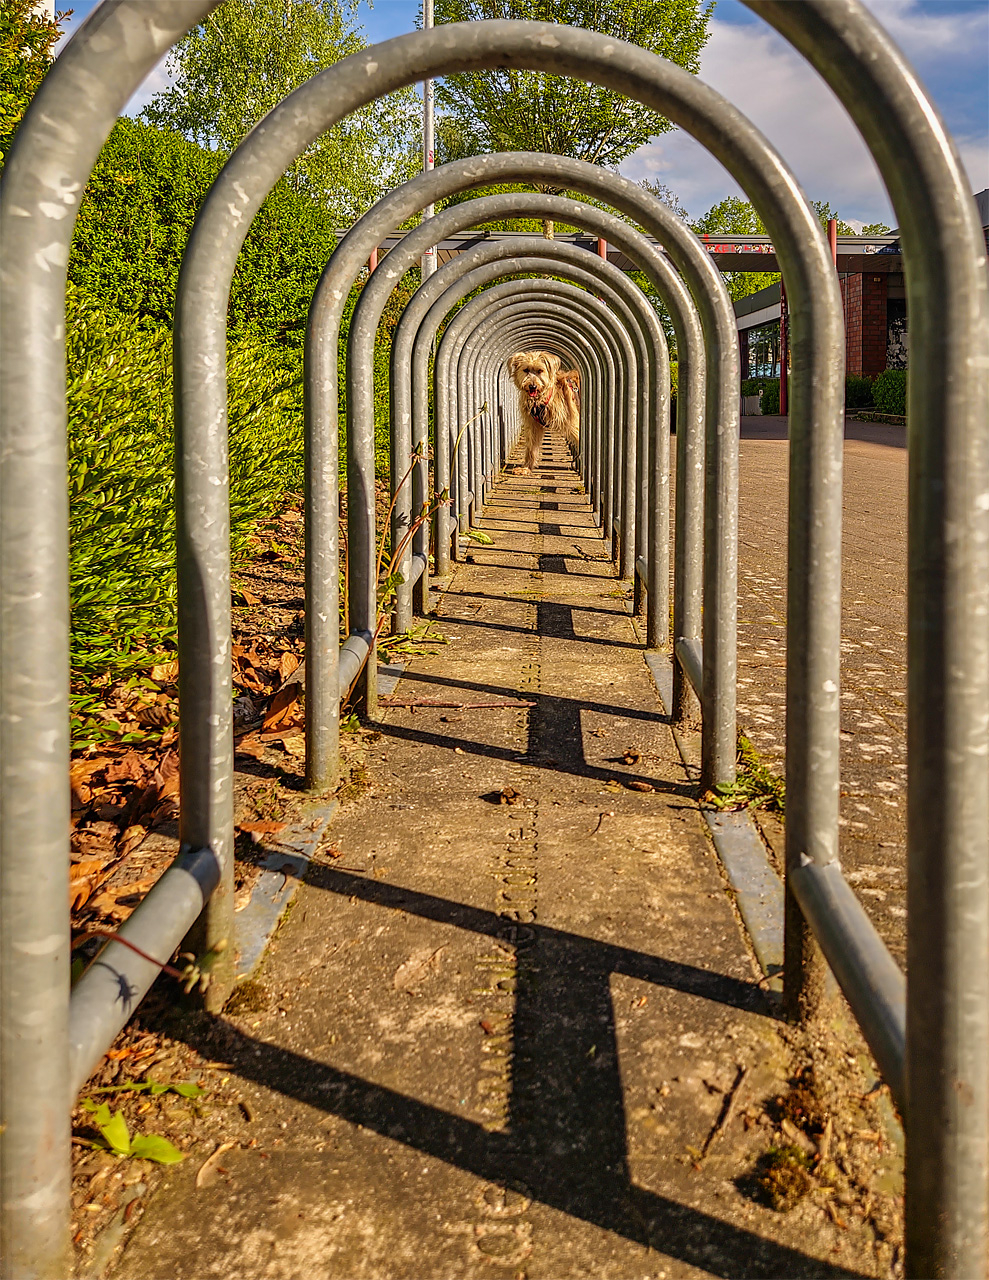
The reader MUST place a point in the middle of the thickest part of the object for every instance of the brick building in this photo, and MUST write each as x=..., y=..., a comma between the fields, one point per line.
x=874, y=301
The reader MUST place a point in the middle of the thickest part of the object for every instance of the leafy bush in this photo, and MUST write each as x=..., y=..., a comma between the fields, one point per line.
x=769, y=399
x=136, y=215
x=889, y=391
x=674, y=378
x=858, y=392
x=121, y=485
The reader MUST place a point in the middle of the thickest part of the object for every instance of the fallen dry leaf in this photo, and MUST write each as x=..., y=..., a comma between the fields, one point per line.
x=80, y=773
x=111, y=902
x=128, y=768
x=166, y=672
x=208, y=1170
x=85, y=870
x=287, y=663
x=508, y=795
x=132, y=837
x=632, y=756
x=250, y=745
x=95, y=840
x=640, y=786
x=262, y=828
x=410, y=975
x=248, y=597
x=155, y=717
x=285, y=711
x=83, y=879
x=168, y=772
x=295, y=745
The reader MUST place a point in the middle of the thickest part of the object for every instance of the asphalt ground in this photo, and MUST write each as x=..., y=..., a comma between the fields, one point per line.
x=511, y=1025
x=873, y=664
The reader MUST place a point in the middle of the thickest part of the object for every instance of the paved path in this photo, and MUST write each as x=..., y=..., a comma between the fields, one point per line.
x=873, y=675
x=497, y=1036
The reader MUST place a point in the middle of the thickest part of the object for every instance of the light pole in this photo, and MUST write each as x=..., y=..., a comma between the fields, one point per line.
x=428, y=260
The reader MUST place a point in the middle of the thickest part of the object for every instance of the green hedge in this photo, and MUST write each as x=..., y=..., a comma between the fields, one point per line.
x=769, y=399
x=858, y=392
x=121, y=486
x=889, y=391
x=138, y=209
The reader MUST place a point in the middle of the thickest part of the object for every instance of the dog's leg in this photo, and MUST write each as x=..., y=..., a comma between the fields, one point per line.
x=533, y=445
x=532, y=438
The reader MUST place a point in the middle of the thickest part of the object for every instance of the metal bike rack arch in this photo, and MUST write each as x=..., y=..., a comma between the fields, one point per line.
x=598, y=351
x=595, y=357
x=498, y=207
x=721, y=374
x=948, y=641
x=363, y=328
x=949, y=592
x=623, y=350
x=686, y=326
x=653, y=397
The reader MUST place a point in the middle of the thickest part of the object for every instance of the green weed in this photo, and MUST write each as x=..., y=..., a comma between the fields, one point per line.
x=755, y=786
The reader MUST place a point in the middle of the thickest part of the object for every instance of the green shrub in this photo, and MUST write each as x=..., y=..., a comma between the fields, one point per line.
x=674, y=376
x=889, y=391
x=769, y=399
x=858, y=392
x=121, y=486
x=138, y=209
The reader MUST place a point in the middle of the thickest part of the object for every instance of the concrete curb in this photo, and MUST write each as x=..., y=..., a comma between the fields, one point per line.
x=285, y=865
x=758, y=891
x=284, y=870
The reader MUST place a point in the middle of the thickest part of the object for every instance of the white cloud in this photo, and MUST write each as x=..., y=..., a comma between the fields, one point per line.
x=775, y=87
x=926, y=35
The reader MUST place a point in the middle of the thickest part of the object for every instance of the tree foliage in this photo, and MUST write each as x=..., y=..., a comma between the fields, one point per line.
x=246, y=56
x=665, y=195
x=26, y=42
x=508, y=110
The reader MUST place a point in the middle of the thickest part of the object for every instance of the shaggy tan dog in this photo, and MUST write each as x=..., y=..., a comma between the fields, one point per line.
x=548, y=397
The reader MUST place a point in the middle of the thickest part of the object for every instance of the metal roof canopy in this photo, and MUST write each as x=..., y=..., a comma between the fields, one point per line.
x=730, y=253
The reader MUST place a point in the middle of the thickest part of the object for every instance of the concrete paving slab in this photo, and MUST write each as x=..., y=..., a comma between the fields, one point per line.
x=512, y=1004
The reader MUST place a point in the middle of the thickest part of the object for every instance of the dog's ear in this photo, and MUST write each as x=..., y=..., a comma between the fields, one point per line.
x=515, y=362
x=552, y=363
x=572, y=376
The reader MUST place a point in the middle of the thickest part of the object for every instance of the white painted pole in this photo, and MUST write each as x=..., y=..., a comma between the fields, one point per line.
x=428, y=260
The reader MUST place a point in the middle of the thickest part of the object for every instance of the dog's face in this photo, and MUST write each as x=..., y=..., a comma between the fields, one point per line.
x=534, y=372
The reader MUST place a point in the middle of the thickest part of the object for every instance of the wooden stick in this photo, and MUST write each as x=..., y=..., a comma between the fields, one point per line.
x=727, y=1111
x=458, y=706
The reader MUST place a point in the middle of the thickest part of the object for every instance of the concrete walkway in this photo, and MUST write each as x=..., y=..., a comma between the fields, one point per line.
x=512, y=1001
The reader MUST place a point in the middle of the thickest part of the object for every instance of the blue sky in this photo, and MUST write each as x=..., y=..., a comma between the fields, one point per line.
x=946, y=40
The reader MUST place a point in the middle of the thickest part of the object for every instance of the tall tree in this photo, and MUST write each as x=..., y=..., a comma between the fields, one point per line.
x=246, y=56
x=506, y=110
x=27, y=40
x=665, y=195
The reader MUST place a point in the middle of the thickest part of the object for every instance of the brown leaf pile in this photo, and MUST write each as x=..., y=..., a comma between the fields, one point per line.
x=118, y=796
x=262, y=668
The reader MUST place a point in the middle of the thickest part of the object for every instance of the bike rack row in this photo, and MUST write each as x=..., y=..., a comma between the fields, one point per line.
x=929, y=1037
